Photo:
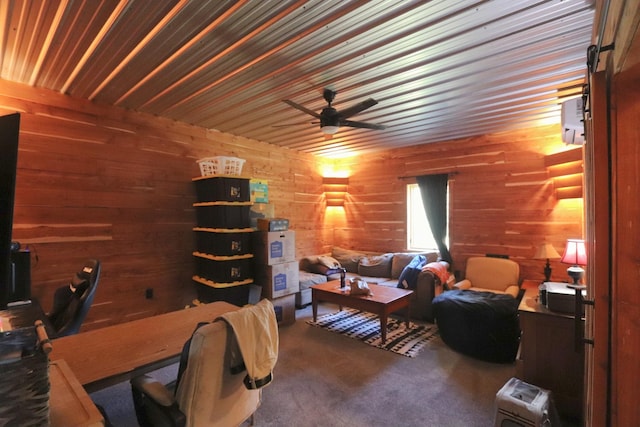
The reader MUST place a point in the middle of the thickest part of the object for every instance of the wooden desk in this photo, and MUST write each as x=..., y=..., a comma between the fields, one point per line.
x=110, y=355
x=548, y=357
x=69, y=403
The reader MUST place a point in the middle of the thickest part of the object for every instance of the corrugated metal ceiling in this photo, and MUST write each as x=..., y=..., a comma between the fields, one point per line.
x=438, y=69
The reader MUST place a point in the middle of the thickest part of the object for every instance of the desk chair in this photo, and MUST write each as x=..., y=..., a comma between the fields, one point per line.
x=210, y=390
x=71, y=302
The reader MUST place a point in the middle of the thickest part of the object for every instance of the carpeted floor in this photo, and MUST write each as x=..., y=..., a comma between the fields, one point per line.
x=325, y=379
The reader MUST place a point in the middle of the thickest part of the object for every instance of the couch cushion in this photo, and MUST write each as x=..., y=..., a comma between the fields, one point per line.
x=375, y=265
x=307, y=279
x=347, y=258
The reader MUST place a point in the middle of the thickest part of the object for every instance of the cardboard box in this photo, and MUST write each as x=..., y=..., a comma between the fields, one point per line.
x=273, y=224
x=285, y=308
x=278, y=280
x=274, y=247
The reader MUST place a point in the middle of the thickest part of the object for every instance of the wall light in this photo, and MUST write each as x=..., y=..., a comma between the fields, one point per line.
x=335, y=190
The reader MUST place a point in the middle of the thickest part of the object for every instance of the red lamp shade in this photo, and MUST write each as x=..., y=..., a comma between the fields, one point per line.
x=575, y=253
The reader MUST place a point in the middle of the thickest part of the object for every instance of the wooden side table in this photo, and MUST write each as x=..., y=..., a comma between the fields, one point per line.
x=548, y=358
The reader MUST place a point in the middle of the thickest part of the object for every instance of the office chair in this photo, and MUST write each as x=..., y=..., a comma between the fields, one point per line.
x=71, y=302
x=212, y=388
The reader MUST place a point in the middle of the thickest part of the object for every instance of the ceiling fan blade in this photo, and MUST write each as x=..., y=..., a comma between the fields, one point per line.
x=293, y=124
x=355, y=109
x=301, y=108
x=361, y=125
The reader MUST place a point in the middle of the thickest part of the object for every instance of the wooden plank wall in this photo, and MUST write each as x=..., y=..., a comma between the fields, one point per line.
x=96, y=181
x=501, y=198
x=108, y=183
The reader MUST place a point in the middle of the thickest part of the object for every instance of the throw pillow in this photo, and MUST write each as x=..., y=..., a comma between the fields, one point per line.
x=347, y=258
x=329, y=261
x=409, y=277
x=400, y=261
x=375, y=265
x=325, y=264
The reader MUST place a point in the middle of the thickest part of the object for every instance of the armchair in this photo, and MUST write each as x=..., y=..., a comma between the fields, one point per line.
x=487, y=274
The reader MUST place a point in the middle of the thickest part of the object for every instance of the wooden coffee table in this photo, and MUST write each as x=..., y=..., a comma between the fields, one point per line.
x=383, y=300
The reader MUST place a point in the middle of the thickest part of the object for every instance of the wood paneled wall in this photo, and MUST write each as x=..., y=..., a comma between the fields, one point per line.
x=98, y=181
x=103, y=182
x=502, y=200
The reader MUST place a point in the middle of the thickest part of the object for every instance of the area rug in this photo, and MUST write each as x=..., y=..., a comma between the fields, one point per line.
x=366, y=327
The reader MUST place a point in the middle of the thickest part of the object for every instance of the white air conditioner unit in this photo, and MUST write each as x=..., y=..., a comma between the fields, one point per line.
x=572, y=122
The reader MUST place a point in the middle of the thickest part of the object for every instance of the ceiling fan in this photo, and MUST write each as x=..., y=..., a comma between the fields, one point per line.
x=331, y=119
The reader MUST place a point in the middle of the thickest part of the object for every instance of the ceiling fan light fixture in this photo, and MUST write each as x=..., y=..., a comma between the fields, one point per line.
x=329, y=130
x=329, y=123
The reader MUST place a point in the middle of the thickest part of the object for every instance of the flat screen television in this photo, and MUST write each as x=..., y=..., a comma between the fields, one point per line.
x=9, y=134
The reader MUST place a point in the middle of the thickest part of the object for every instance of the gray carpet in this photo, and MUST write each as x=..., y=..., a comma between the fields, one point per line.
x=326, y=379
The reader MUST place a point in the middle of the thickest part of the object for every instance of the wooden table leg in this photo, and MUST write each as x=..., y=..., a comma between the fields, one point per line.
x=408, y=316
x=383, y=326
x=314, y=305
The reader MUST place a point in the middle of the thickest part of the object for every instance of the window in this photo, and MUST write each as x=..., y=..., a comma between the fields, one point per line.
x=419, y=236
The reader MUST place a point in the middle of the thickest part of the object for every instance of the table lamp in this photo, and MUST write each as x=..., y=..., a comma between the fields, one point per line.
x=546, y=251
x=575, y=254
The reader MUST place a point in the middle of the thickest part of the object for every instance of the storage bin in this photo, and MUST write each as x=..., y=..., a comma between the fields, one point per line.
x=223, y=214
x=224, y=242
x=222, y=269
x=222, y=189
x=239, y=294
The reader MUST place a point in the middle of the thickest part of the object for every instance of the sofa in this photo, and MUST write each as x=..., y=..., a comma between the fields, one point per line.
x=384, y=269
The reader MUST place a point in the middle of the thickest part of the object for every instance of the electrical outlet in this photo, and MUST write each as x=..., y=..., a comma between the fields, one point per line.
x=148, y=294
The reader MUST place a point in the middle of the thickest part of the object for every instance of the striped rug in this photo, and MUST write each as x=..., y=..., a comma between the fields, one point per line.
x=366, y=327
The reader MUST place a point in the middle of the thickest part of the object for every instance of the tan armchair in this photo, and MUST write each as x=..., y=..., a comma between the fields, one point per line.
x=498, y=275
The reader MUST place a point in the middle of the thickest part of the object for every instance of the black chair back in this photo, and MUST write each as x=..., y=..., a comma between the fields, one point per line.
x=70, y=307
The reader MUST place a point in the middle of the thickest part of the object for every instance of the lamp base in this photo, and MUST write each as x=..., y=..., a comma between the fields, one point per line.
x=575, y=272
x=547, y=272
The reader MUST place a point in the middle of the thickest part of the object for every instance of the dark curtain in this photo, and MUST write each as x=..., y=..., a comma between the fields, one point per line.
x=433, y=189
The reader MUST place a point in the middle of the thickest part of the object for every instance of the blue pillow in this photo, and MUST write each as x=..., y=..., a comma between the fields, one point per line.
x=409, y=276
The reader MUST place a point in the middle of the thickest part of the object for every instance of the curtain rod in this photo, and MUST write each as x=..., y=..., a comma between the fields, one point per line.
x=415, y=176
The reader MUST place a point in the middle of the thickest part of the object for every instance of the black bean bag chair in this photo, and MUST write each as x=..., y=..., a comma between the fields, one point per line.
x=483, y=325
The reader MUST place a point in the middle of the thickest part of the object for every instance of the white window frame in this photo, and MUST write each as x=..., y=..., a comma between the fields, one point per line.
x=419, y=236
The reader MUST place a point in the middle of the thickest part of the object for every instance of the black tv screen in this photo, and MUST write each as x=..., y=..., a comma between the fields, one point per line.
x=9, y=132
